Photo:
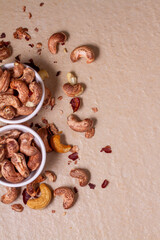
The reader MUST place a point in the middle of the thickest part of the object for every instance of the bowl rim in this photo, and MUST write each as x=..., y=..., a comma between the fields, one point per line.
x=38, y=107
x=42, y=148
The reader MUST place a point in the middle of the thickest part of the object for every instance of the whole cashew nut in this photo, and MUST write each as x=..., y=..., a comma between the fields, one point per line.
x=22, y=89
x=18, y=70
x=9, y=100
x=47, y=98
x=72, y=90
x=19, y=161
x=82, y=51
x=56, y=38
x=12, y=147
x=33, y=187
x=25, y=144
x=2, y=153
x=10, y=196
x=10, y=134
x=8, y=112
x=58, y=146
x=43, y=133
x=5, y=50
x=35, y=161
x=9, y=173
x=79, y=126
x=51, y=176
x=23, y=110
x=36, y=90
x=81, y=174
x=43, y=200
x=4, y=81
x=28, y=75
x=67, y=194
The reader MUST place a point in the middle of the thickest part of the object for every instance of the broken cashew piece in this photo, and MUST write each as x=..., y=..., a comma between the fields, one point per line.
x=73, y=90
x=9, y=100
x=35, y=161
x=12, y=147
x=18, y=70
x=43, y=200
x=47, y=97
x=72, y=79
x=4, y=81
x=9, y=173
x=58, y=146
x=51, y=176
x=25, y=144
x=8, y=112
x=82, y=176
x=5, y=50
x=17, y=207
x=43, y=74
x=22, y=89
x=90, y=133
x=53, y=41
x=79, y=125
x=19, y=161
x=10, y=196
x=43, y=133
x=33, y=187
x=67, y=194
x=82, y=51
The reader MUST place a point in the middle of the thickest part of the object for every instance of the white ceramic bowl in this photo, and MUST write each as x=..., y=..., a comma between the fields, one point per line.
x=22, y=119
x=33, y=175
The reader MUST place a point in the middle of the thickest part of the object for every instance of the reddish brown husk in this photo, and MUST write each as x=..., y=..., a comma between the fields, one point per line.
x=18, y=57
x=58, y=73
x=105, y=183
x=26, y=196
x=106, y=149
x=41, y=4
x=75, y=190
x=73, y=156
x=92, y=186
x=3, y=35
x=75, y=103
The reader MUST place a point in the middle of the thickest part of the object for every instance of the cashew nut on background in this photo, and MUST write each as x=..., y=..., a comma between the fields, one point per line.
x=33, y=187
x=79, y=125
x=82, y=176
x=72, y=90
x=5, y=50
x=67, y=194
x=82, y=51
x=58, y=146
x=43, y=133
x=10, y=196
x=53, y=41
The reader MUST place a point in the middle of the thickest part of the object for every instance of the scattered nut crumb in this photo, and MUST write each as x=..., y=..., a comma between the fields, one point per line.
x=55, y=62
x=52, y=103
x=95, y=109
x=17, y=58
x=36, y=29
x=106, y=149
x=75, y=103
x=29, y=15
x=22, y=33
x=24, y=8
x=39, y=45
x=51, y=176
x=17, y=207
x=75, y=162
x=75, y=190
x=75, y=148
x=3, y=35
x=91, y=78
x=65, y=50
x=53, y=211
x=64, y=213
x=31, y=125
x=58, y=73
x=37, y=125
x=31, y=45
x=45, y=121
x=90, y=133
x=39, y=51
x=41, y=4
x=60, y=98
x=69, y=162
x=61, y=111
x=92, y=186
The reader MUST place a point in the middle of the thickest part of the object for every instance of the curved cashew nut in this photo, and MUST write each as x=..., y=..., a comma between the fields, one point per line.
x=10, y=196
x=36, y=90
x=43, y=200
x=4, y=81
x=28, y=75
x=18, y=70
x=19, y=161
x=10, y=134
x=43, y=133
x=9, y=100
x=8, y=112
x=2, y=152
x=79, y=126
x=82, y=51
x=12, y=147
x=33, y=187
x=47, y=98
x=51, y=176
x=25, y=144
x=72, y=90
x=23, y=110
x=67, y=194
x=9, y=173
x=56, y=38
x=35, y=161
x=57, y=145
x=10, y=91
x=22, y=89
x=81, y=174
x=5, y=50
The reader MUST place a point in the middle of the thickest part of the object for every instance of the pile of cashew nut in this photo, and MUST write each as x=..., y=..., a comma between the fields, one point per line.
x=18, y=155
x=19, y=91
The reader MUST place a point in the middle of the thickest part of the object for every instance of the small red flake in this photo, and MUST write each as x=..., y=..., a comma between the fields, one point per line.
x=95, y=109
x=106, y=149
x=31, y=45
x=92, y=186
x=62, y=43
x=53, y=211
x=24, y=8
x=75, y=103
x=18, y=57
x=26, y=196
x=36, y=29
x=75, y=190
x=105, y=183
x=73, y=156
x=27, y=38
x=37, y=125
x=58, y=73
x=3, y=35
x=41, y=4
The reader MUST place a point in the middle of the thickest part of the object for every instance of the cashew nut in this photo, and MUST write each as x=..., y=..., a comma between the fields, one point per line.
x=36, y=90
x=82, y=51
x=22, y=89
x=43, y=133
x=43, y=200
x=67, y=194
x=17, y=207
x=81, y=174
x=72, y=79
x=10, y=134
x=18, y=70
x=9, y=100
x=10, y=196
x=28, y=75
x=56, y=38
x=2, y=153
x=5, y=50
x=35, y=161
x=72, y=90
x=47, y=97
x=19, y=161
x=4, y=81
x=12, y=147
x=51, y=176
x=23, y=110
x=58, y=146
x=33, y=187
x=10, y=91
x=77, y=125
x=8, y=112
x=43, y=74
x=9, y=173
x=25, y=144
x=90, y=133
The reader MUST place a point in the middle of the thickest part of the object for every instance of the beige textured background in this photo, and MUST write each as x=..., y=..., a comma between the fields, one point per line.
x=125, y=87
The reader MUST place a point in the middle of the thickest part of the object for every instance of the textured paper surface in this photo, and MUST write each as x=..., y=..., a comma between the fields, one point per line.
x=124, y=84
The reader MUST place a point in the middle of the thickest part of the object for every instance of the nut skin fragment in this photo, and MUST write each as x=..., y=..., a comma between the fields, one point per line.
x=58, y=146
x=36, y=90
x=9, y=100
x=43, y=133
x=43, y=200
x=5, y=51
x=18, y=70
x=72, y=90
x=19, y=161
x=22, y=89
x=8, y=112
x=25, y=144
x=35, y=161
x=21, y=33
x=67, y=194
x=51, y=176
x=23, y=110
x=79, y=125
x=33, y=187
x=53, y=41
x=4, y=81
x=28, y=75
x=90, y=133
x=10, y=196
x=82, y=51
x=81, y=174
x=12, y=147
x=9, y=173
x=17, y=207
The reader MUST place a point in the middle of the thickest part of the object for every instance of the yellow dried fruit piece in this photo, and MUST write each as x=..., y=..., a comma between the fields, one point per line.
x=43, y=74
x=58, y=146
x=43, y=200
